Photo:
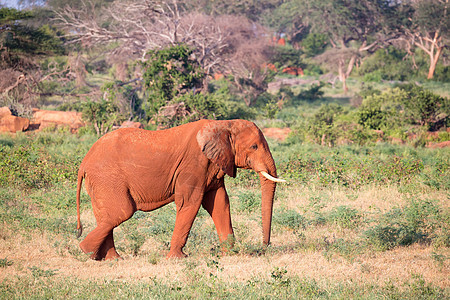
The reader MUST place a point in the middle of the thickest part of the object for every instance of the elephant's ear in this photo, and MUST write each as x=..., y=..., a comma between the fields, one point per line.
x=215, y=142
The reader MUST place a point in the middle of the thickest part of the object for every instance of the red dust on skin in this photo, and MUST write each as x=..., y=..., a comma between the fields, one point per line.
x=134, y=169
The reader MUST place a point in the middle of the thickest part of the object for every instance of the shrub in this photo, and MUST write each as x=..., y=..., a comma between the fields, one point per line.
x=249, y=201
x=404, y=106
x=350, y=170
x=169, y=73
x=289, y=218
x=32, y=167
x=417, y=222
x=382, y=111
x=389, y=64
x=314, y=43
x=102, y=115
x=344, y=216
x=322, y=127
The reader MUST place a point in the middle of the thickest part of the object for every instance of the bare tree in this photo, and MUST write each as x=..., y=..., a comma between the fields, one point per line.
x=139, y=26
x=429, y=29
x=220, y=43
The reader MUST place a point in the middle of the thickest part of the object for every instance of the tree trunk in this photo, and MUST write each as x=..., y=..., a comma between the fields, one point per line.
x=434, y=58
x=342, y=75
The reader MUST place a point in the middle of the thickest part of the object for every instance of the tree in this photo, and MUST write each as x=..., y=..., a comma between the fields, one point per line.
x=222, y=43
x=429, y=29
x=352, y=27
x=169, y=73
x=21, y=47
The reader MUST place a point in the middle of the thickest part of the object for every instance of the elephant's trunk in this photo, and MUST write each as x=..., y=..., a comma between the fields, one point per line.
x=267, y=193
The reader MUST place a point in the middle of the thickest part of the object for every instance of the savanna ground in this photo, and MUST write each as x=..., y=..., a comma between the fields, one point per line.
x=352, y=222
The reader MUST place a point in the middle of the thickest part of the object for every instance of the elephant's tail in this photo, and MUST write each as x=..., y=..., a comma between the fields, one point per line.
x=80, y=181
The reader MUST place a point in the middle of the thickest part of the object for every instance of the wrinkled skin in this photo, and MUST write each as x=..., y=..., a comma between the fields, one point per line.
x=134, y=169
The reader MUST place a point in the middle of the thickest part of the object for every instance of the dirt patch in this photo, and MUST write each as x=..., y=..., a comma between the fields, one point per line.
x=277, y=133
x=439, y=145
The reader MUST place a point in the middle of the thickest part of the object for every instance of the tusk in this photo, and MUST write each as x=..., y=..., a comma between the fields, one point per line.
x=271, y=177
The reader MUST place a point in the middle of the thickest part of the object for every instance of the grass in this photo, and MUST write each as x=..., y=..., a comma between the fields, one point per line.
x=353, y=222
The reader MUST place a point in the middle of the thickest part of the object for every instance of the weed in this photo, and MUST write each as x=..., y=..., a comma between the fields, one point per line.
x=404, y=226
x=289, y=218
x=5, y=262
x=214, y=264
x=249, y=201
x=278, y=276
x=344, y=216
x=38, y=272
x=439, y=259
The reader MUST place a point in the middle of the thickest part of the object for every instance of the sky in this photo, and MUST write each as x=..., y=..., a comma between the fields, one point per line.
x=10, y=3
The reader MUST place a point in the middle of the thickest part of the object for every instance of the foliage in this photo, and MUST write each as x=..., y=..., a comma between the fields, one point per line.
x=404, y=105
x=416, y=222
x=286, y=56
x=344, y=216
x=102, y=115
x=33, y=167
x=168, y=74
x=193, y=107
x=289, y=218
x=355, y=167
x=5, y=262
x=40, y=161
x=124, y=97
x=390, y=64
x=248, y=201
x=322, y=124
x=314, y=44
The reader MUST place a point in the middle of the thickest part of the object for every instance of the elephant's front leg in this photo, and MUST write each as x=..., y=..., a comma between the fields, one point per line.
x=187, y=208
x=217, y=203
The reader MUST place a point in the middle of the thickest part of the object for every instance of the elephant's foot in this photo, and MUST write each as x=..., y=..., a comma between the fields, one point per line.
x=176, y=254
x=112, y=254
x=228, y=244
x=88, y=249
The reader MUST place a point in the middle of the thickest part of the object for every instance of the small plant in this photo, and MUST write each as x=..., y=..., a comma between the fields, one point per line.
x=4, y=262
x=289, y=218
x=278, y=276
x=439, y=259
x=312, y=94
x=136, y=242
x=102, y=115
x=413, y=223
x=38, y=272
x=249, y=201
x=214, y=264
x=344, y=216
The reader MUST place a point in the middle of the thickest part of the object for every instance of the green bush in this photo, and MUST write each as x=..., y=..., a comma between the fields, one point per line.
x=344, y=216
x=402, y=106
x=168, y=74
x=352, y=170
x=249, y=201
x=390, y=64
x=383, y=111
x=289, y=218
x=419, y=221
x=33, y=167
x=314, y=43
x=102, y=115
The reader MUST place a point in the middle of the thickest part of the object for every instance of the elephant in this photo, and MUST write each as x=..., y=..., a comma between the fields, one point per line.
x=132, y=169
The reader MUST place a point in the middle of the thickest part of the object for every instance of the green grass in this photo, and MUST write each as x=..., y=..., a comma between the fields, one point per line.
x=43, y=284
x=342, y=207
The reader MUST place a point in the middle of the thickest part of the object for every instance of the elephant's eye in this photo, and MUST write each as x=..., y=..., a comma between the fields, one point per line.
x=254, y=147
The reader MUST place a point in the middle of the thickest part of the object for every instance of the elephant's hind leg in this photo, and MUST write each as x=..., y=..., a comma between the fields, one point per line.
x=111, y=208
x=107, y=249
x=94, y=242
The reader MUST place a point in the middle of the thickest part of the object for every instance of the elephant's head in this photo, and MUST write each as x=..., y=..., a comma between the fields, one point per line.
x=240, y=144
